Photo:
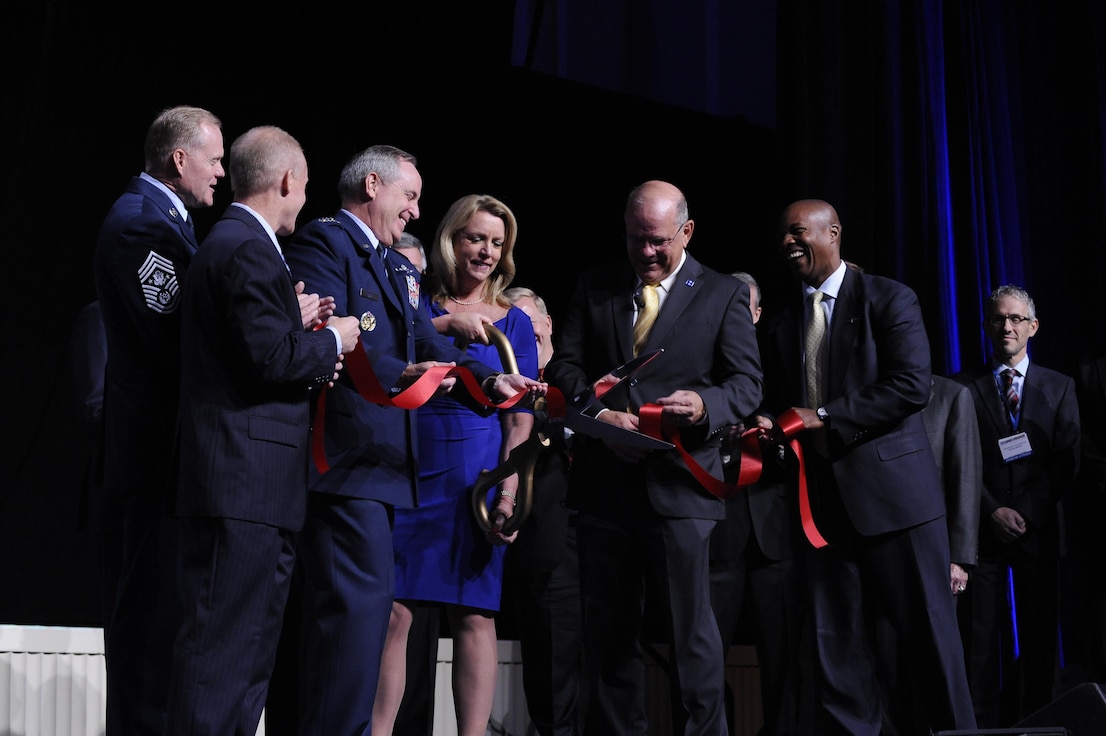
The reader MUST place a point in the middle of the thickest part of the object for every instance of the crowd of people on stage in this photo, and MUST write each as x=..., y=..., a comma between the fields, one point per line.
x=299, y=421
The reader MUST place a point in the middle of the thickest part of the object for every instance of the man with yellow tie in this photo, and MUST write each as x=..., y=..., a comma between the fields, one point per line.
x=644, y=519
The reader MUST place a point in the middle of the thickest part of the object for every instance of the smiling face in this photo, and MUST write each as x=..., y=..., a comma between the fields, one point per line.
x=477, y=247
x=656, y=236
x=810, y=240
x=199, y=170
x=394, y=203
x=1009, y=323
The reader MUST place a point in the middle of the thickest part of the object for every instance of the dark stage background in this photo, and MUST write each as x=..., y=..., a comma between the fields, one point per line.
x=961, y=142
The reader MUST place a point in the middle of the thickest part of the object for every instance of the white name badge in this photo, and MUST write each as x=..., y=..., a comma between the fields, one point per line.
x=1014, y=447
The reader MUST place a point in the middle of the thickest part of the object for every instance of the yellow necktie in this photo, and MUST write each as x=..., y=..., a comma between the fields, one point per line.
x=646, y=316
x=815, y=332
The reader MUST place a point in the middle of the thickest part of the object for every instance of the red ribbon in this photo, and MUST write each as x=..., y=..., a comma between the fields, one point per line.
x=751, y=463
x=364, y=379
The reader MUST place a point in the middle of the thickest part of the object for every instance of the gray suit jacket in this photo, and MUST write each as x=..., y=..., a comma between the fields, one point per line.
x=954, y=434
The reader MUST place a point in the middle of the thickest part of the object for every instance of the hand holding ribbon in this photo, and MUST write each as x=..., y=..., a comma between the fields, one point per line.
x=789, y=424
x=415, y=395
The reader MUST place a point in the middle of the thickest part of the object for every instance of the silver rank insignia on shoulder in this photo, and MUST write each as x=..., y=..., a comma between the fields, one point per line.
x=327, y=219
x=158, y=279
x=368, y=322
x=412, y=291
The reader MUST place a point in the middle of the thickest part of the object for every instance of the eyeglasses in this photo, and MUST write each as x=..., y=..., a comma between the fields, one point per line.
x=641, y=242
x=999, y=320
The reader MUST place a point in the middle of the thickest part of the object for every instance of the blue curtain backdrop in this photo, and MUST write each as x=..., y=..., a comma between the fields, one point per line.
x=962, y=143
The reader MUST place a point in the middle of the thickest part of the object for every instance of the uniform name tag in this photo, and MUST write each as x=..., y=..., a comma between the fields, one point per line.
x=1014, y=447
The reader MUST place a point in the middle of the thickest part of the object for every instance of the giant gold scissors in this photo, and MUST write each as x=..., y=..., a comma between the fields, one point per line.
x=578, y=415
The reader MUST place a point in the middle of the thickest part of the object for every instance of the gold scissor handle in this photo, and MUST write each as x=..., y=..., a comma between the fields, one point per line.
x=520, y=460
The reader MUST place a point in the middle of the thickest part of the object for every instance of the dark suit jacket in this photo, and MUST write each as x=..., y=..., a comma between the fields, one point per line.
x=249, y=364
x=877, y=383
x=954, y=435
x=710, y=347
x=1032, y=485
x=541, y=544
x=142, y=254
x=370, y=448
x=765, y=510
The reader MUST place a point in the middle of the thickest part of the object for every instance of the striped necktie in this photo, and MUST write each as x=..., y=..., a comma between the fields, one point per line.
x=1010, y=393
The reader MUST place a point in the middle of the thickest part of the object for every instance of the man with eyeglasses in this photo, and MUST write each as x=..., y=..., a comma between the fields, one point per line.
x=645, y=520
x=1029, y=435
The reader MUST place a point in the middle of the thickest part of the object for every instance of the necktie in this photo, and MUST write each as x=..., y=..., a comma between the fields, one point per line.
x=1011, y=393
x=815, y=332
x=646, y=316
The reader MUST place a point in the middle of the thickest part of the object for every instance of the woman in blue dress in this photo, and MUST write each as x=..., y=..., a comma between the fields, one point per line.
x=442, y=555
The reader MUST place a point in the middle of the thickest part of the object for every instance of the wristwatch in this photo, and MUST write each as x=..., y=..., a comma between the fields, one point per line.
x=822, y=413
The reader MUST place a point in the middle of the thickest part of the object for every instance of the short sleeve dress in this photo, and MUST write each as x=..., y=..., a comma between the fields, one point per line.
x=441, y=554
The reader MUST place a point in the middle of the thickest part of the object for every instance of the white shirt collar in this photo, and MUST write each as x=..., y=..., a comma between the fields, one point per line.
x=365, y=229
x=831, y=286
x=1021, y=367
x=666, y=283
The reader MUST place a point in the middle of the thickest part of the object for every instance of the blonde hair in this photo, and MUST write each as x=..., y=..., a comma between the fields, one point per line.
x=443, y=261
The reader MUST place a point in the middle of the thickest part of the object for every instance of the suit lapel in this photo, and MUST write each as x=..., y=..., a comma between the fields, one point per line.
x=684, y=288
x=846, y=319
x=1032, y=397
x=373, y=260
x=621, y=314
x=988, y=391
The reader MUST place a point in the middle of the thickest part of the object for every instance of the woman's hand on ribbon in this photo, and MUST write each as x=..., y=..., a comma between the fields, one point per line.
x=415, y=371
x=509, y=385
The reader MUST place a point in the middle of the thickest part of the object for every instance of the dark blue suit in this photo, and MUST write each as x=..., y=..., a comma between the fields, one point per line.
x=648, y=524
x=142, y=254
x=878, y=500
x=246, y=372
x=346, y=545
x=1033, y=486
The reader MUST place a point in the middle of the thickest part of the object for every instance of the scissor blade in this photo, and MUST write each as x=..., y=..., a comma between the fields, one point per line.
x=592, y=427
x=591, y=398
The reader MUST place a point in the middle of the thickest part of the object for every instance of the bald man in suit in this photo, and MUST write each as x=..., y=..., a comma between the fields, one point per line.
x=874, y=490
x=645, y=520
